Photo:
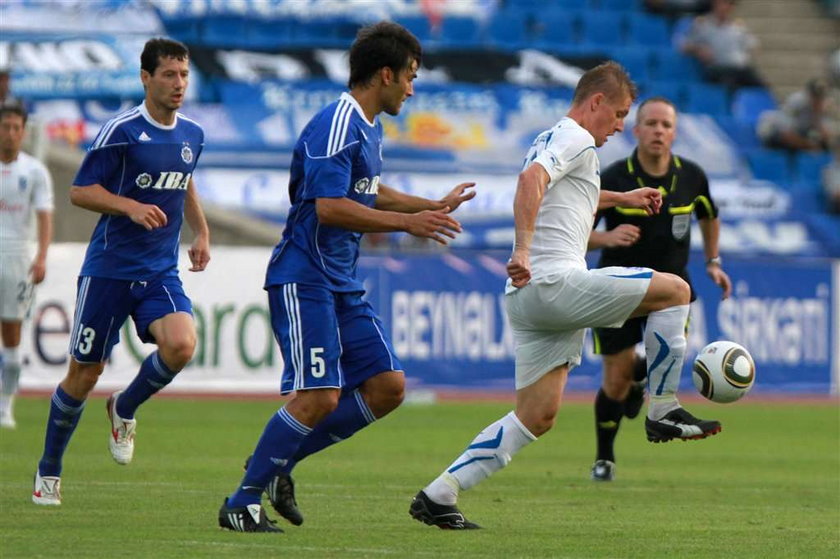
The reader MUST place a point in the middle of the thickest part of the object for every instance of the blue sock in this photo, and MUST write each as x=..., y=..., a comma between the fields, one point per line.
x=153, y=375
x=65, y=412
x=279, y=442
x=351, y=415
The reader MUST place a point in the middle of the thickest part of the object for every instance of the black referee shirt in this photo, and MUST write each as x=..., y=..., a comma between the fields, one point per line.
x=665, y=237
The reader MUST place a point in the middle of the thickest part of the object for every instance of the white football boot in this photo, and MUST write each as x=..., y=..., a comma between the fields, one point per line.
x=47, y=490
x=121, y=441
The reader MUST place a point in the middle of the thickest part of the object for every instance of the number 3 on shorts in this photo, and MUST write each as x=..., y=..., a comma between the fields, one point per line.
x=86, y=340
x=318, y=368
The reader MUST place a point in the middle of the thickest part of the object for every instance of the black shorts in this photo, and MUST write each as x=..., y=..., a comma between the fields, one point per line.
x=609, y=341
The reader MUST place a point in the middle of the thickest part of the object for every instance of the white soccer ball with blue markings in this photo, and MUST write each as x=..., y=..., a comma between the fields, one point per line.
x=723, y=372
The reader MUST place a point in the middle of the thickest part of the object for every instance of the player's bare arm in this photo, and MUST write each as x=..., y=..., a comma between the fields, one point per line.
x=348, y=214
x=38, y=270
x=710, y=229
x=199, y=252
x=648, y=199
x=624, y=235
x=393, y=200
x=97, y=199
x=530, y=190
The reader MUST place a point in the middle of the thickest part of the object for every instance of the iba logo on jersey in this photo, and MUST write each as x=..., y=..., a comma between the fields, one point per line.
x=167, y=180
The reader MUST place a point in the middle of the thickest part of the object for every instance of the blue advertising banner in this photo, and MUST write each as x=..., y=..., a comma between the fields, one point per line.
x=445, y=314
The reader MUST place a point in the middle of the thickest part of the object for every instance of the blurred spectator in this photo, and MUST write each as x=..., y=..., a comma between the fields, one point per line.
x=831, y=182
x=6, y=97
x=678, y=8
x=803, y=121
x=723, y=46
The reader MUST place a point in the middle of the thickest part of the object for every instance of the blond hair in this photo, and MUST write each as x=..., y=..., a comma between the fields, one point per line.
x=609, y=78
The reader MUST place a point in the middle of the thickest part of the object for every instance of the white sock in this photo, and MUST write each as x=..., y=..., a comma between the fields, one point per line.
x=665, y=349
x=11, y=371
x=489, y=452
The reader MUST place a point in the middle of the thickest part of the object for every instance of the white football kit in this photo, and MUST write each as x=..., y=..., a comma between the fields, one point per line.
x=25, y=187
x=549, y=315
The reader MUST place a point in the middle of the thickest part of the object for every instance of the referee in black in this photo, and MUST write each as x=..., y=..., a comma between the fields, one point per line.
x=659, y=241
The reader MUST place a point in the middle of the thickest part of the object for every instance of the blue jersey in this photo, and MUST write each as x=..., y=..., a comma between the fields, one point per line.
x=338, y=154
x=136, y=157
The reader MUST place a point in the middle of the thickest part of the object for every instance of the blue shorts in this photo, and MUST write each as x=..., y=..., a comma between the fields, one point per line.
x=328, y=339
x=103, y=304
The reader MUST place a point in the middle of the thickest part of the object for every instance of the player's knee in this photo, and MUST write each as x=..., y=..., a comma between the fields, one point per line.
x=178, y=352
x=615, y=386
x=387, y=399
x=681, y=292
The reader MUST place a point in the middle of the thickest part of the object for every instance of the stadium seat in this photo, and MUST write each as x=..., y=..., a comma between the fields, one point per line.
x=749, y=102
x=676, y=92
x=808, y=167
x=670, y=65
x=556, y=29
x=270, y=33
x=418, y=25
x=507, y=29
x=460, y=31
x=708, y=99
x=617, y=5
x=771, y=165
x=224, y=31
x=636, y=60
x=644, y=29
x=743, y=136
x=602, y=29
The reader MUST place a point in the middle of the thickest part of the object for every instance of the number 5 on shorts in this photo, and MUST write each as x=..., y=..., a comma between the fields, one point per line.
x=319, y=367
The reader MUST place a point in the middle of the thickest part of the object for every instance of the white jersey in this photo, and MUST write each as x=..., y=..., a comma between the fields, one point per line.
x=567, y=210
x=25, y=187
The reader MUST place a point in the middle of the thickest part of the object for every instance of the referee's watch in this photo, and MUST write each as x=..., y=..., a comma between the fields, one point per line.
x=714, y=261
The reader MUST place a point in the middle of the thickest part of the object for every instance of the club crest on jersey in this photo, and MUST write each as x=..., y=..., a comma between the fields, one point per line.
x=186, y=154
x=367, y=186
x=21, y=183
x=167, y=180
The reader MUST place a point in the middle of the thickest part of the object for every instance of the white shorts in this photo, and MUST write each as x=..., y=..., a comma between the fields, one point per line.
x=15, y=287
x=549, y=316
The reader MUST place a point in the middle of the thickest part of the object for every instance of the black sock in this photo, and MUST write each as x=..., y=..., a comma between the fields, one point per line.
x=640, y=369
x=608, y=414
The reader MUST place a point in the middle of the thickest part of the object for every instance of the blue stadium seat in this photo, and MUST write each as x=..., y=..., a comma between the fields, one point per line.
x=676, y=92
x=749, y=102
x=617, y=5
x=224, y=31
x=707, y=98
x=636, y=60
x=460, y=31
x=644, y=29
x=557, y=29
x=742, y=135
x=667, y=64
x=602, y=29
x=808, y=167
x=418, y=25
x=769, y=164
x=507, y=29
x=184, y=29
x=271, y=33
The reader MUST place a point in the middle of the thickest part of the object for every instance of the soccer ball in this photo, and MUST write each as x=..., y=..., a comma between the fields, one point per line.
x=723, y=371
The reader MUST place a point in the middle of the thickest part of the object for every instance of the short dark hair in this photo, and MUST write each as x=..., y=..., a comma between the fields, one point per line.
x=380, y=45
x=609, y=78
x=656, y=99
x=13, y=109
x=155, y=49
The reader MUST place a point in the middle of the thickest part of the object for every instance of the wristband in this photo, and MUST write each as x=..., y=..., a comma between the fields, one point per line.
x=714, y=261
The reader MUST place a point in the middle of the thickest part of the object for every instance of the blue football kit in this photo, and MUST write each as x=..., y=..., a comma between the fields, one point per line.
x=128, y=270
x=329, y=335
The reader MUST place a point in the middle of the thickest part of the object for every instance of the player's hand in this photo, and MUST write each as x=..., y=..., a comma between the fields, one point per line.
x=648, y=199
x=624, y=235
x=199, y=254
x=519, y=268
x=432, y=224
x=458, y=196
x=721, y=279
x=38, y=271
x=148, y=216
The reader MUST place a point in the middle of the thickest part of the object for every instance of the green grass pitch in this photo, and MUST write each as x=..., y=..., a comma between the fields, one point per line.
x=767, y=486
